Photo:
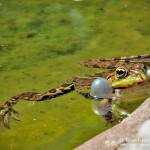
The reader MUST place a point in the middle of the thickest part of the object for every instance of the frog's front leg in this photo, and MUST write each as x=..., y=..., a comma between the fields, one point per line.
x=55, y=92
x=4, y=115
x=7, y=111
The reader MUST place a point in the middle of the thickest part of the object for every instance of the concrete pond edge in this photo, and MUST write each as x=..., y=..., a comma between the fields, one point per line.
x=120, y=135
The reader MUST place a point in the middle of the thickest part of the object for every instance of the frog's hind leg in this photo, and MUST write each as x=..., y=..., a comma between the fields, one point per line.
x=145, y=59
x=146, y=56
x=117, y=61
x=101, y=63
x=7, y=111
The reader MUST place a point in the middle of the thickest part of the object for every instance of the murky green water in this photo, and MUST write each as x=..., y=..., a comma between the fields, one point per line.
x=41, y=43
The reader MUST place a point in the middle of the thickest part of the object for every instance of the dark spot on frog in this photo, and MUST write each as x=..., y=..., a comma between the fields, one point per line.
x=53, y=90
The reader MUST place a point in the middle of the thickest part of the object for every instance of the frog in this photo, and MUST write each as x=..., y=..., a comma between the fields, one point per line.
x=124, y=72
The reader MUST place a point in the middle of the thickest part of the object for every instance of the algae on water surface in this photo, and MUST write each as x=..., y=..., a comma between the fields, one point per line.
x=41, y=43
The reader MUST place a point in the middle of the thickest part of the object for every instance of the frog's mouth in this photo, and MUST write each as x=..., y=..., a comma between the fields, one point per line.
x=128, y=78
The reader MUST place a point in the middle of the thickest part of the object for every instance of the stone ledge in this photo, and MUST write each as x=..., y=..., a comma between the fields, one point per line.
x=115, y=138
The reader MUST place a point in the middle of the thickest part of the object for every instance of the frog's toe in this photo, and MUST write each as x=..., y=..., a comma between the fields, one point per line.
x=6, y=120
x=5, y=113
x=12, y=114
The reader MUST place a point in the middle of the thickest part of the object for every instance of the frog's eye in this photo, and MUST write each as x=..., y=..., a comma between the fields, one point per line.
x=121, y=72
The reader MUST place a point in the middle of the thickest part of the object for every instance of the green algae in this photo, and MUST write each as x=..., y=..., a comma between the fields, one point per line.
x=41, y=43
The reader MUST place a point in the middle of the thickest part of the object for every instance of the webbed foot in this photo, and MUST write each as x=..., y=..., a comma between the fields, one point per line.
x=5, y=113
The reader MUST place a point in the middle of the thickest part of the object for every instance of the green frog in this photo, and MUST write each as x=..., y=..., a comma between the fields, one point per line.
x=124, y=72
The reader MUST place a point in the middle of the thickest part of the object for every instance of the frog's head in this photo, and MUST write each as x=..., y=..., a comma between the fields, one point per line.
x=126, y=77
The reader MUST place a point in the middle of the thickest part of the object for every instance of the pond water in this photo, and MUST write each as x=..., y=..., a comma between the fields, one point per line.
x=41, y=45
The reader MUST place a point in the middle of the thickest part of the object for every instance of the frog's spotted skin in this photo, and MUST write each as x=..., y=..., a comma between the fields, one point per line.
x=134, y=67
x=117, y=61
